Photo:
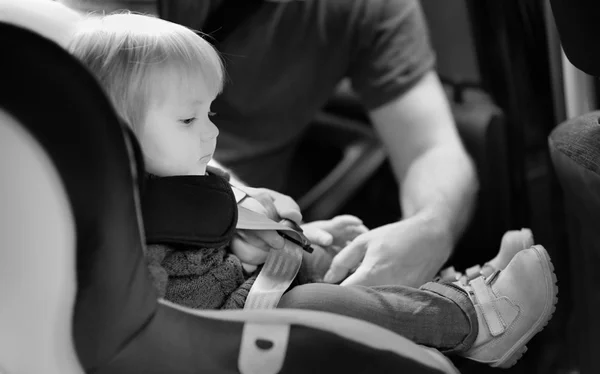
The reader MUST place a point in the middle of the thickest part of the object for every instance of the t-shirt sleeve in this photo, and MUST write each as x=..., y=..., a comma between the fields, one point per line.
x=394, y=51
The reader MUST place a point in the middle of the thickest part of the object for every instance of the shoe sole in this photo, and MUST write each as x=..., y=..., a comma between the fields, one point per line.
x=515, y=353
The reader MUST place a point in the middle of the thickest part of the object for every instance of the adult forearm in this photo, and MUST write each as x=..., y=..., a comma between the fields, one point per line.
x=441, y=186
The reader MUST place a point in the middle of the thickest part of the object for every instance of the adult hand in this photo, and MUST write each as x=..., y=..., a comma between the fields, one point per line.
x=409, y=252
x=253, y=246
x=335, y=233
x=276, y=205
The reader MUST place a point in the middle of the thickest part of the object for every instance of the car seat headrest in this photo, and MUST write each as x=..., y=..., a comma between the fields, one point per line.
x=47, y=18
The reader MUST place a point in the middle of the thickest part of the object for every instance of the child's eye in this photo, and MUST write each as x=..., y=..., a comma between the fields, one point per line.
x=188, y=121
x=210, y=114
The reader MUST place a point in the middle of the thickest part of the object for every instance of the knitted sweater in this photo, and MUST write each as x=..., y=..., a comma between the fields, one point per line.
x=208, y=278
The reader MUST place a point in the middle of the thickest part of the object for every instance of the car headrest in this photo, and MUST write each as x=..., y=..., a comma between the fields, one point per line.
x=87, y=240
x=576, y=23
x=47, y=18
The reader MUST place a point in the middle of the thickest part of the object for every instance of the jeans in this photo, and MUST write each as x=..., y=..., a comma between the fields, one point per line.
x=437, y=315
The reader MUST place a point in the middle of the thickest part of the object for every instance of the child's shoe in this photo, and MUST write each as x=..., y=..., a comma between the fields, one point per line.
x=512, y=242
x=512, y=306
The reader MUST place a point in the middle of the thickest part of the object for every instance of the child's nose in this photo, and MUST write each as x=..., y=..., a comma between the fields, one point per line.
x=209, y=132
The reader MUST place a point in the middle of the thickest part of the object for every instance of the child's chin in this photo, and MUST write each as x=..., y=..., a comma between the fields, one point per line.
x=198, y=171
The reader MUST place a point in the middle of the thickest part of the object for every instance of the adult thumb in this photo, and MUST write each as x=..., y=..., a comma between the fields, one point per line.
x=347, y=259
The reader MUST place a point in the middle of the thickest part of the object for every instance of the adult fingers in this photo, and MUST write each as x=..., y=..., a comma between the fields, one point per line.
x=346, y=260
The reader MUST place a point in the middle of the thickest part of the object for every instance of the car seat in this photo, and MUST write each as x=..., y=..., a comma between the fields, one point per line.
x=75, y=290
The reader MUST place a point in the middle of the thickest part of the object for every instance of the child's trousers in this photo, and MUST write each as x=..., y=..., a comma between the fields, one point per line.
x=437, y=315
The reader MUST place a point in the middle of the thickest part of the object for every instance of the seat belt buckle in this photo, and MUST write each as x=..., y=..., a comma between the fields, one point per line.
x=300, y=240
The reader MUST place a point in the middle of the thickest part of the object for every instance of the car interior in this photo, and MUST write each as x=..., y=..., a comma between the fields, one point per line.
x=520, y=78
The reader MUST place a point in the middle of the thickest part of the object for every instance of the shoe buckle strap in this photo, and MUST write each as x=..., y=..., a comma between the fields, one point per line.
x=486, y=303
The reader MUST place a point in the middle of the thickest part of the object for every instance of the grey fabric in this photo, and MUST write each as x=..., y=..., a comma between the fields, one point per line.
x=579, y=140
x=436, y=315
x=207, y=278
x=575, y=152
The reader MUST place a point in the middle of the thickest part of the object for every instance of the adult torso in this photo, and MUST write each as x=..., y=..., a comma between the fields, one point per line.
x=284, y=61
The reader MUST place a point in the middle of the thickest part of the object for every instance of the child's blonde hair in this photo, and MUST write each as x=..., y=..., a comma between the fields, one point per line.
x=131, y=53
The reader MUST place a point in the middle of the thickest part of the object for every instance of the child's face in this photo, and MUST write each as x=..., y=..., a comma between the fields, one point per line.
x=177, y=136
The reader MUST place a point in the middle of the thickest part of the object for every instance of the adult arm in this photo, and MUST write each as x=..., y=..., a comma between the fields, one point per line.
x=393, y=71
x=437, y=178
x=438, y=188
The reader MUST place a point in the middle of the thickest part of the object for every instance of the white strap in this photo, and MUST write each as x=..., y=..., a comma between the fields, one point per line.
x=263, y=348
x=486, y=302
x=239, y=194
x=281, y=265
x=275, y=277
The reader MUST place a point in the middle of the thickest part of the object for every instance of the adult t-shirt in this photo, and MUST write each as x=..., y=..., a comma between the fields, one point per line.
x=285, y=60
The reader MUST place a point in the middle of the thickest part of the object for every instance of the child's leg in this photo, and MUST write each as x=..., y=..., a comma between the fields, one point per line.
x=436, y=315
x=411, y=303
x=509, y=307
x=445, y=304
